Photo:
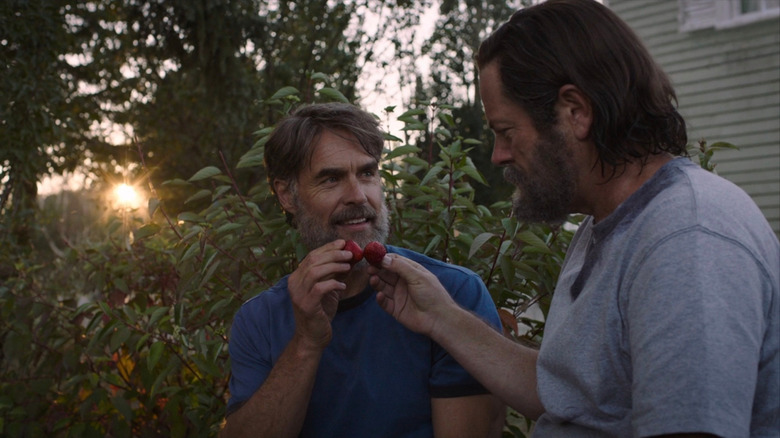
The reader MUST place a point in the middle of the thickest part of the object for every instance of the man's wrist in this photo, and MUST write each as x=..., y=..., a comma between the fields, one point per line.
x=446, y=323
x=304, y=346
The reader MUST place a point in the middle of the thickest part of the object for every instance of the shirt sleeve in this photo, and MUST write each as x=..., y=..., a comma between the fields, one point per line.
x=249, y=367
x=695, y=326
x=448, y=378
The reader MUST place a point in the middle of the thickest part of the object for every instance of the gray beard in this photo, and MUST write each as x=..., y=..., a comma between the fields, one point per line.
x=314, y=236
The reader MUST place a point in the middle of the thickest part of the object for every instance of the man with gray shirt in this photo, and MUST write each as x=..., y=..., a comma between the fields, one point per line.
x=666, y=316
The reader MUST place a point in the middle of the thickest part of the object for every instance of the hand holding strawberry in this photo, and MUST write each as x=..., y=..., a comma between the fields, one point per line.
x=354, y=248
x=374, y=252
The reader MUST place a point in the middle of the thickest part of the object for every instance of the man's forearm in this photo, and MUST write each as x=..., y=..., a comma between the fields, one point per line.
x=278, y=407
x=504, y=367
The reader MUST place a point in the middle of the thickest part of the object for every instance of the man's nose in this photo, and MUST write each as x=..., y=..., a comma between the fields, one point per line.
x=355, y=193
x=501, y=155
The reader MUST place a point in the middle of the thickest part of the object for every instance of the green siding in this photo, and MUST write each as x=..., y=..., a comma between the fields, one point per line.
x=728, y=88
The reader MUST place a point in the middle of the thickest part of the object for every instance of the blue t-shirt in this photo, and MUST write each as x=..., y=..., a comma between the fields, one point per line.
x=376, y=378
x=666, y=317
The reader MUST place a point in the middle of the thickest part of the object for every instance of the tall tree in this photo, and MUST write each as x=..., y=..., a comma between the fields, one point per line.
x=454, y=79
x=185, y=78
x=45, y=119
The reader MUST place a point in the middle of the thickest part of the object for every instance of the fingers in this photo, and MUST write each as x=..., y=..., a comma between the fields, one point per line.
x=331, y=252
x=395, y=266
x=385, y=302
x=322, y=263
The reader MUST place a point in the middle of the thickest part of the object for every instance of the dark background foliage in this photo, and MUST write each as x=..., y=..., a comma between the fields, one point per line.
x=114, y=322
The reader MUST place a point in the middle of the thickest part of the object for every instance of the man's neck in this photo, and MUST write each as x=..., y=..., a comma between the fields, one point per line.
x=602, y=195
x=356, y=281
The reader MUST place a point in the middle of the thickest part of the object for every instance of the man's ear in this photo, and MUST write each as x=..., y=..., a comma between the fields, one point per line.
x=575, y=109
x=285, y=195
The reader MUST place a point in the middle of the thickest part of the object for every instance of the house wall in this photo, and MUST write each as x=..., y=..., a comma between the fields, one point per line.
x=728, y=89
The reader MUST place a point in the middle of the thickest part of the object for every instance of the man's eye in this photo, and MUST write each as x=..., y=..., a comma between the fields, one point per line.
x=503, y=133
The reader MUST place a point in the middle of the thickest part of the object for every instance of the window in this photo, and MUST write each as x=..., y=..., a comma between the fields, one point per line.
x=721, y=14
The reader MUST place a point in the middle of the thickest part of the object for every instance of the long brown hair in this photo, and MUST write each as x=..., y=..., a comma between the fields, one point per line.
x=581, y=42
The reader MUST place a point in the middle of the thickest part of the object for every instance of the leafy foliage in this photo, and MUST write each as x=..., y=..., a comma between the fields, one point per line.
x=185, y=79
x=42, y=121
x=124, y=333
x=453, y=80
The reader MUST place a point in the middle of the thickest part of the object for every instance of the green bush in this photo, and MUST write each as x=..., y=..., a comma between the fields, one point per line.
x=126, y=334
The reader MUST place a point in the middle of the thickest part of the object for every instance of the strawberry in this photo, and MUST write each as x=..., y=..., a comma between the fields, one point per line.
x=374, y=252
x=354, y=248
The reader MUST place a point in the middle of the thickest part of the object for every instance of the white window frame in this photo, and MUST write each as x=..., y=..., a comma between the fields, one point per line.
x=719, y=14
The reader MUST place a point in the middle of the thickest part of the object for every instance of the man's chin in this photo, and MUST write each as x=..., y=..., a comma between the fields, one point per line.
x=533, y=214
x=361, y=237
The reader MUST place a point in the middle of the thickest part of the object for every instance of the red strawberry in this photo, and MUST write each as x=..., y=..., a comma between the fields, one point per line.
x=357, y=253
x=374, y=252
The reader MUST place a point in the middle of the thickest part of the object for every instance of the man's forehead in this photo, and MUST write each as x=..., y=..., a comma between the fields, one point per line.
x=338, y=149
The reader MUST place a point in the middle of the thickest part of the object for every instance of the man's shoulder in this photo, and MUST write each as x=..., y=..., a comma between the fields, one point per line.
x=273, y=296
x=713, y=203
x=439, y=268
x=683, y=196
x=707, y=191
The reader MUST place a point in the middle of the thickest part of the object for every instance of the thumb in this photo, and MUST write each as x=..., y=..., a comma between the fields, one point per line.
x=405, y=268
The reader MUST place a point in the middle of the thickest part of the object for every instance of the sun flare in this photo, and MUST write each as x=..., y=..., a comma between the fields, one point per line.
x=126, y=196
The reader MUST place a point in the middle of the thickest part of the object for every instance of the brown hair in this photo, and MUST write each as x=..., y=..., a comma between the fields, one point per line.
x=290, y=146
x=583, y=43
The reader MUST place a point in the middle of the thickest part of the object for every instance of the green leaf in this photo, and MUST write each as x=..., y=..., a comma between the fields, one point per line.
x=333, y=94
x=206, y=172
x=470, y=170
x=142, y=341
x=402, y=150
x=153, y=205
x=319, y=76
x=263, y=131
x=390, y=137
x=200, y=194
x=284, y=92
x=146, y=231
x=191, y=252
x=415, y=161
x=532, y=239
x=175, y=182
x=229, y=227
x=155, y=352
x=120, y=284
x=119, y=337
x=104, y=307
x=432, y=173
x=432, y=244
x=188, y=216
x=447, y=119
x=415, y=126
x=157, y=314
x=250, y=161
x=411, y=112
x=722, y=145
x=219, y=191
x=478, y=242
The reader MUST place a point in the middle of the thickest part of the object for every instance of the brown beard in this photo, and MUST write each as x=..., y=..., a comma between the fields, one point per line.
x=545, y=194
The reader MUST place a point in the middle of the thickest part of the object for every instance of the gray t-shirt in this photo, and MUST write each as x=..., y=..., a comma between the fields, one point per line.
x=666, y=318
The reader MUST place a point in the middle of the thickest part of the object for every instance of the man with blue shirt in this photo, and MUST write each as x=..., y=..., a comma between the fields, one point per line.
x=315, y=355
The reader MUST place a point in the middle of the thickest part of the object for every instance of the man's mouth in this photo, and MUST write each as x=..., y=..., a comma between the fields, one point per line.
x=355, y=221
